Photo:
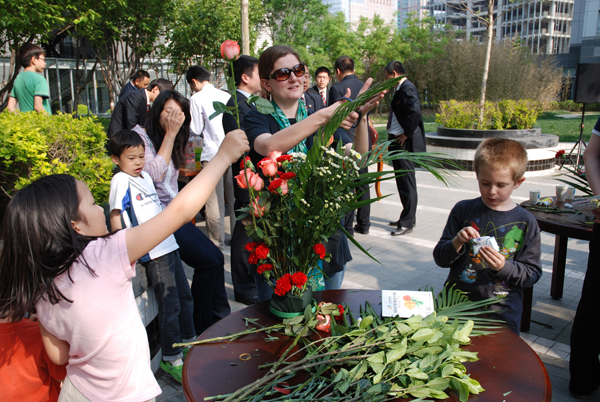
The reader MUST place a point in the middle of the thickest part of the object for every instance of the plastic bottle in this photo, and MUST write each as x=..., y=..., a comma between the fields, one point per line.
x=198, y=146
x=189, y=154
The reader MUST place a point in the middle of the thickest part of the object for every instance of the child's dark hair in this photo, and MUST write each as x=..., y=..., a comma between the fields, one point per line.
x=29, y=51
x=39, y=243
x=122, y=140
x=156, y=133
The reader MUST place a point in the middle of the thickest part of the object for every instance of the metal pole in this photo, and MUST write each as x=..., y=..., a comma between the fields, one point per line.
x=245, y=29
x=72, y=88
x=58, y=82
x=96, y=92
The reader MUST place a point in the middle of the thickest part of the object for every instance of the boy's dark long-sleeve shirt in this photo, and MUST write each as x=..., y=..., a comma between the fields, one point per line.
x=518, y=237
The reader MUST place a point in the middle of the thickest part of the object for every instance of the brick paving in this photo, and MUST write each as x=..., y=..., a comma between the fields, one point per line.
x=407, y=263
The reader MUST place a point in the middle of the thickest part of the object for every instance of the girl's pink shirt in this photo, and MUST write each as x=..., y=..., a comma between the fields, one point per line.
x=109, y=357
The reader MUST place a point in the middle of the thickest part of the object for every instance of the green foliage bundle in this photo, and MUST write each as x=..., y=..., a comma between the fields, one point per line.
x=372, y=358
x=504, y=115
x=33, y=145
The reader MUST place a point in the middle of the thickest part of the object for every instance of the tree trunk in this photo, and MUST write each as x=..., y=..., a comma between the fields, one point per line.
x=245, y=29
x=488, y=53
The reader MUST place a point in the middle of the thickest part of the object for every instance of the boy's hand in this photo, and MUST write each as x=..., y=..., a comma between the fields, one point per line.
x=464, y=236
x=494, y=259
x=234, y=145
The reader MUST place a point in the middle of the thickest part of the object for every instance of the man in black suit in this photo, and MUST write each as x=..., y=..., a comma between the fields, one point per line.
x=344, y=74
x=313, y=102
x=322, y=76
x=139, y=80
x=247, y=81
x=405, y=127
x=133, y=108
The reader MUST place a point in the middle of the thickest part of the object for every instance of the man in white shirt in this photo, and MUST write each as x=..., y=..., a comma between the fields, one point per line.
x=201, y=108
x=322, y=76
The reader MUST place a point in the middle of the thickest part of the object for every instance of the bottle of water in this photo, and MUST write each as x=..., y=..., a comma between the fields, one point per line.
x=198, y=146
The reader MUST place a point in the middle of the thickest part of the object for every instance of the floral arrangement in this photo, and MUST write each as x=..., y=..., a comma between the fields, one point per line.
x=298, y=200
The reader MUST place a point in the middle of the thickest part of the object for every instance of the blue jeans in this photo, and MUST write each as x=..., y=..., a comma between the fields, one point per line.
x=334, y=281
x=175, y=303
x=208, y=282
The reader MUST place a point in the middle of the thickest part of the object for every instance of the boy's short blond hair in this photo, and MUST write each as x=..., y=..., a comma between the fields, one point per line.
x=502, y=153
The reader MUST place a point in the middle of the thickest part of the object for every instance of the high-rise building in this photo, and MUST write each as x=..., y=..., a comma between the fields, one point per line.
x=544, y=26
x=406, y=8
x=354, y=9
x=585, y=37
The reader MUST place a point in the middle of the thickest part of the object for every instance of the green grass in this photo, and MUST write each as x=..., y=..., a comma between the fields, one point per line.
x=566, y=129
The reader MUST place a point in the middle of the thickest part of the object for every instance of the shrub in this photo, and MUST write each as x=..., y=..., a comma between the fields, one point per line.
x=504, y=115
x=33, y=145
x=454, y=114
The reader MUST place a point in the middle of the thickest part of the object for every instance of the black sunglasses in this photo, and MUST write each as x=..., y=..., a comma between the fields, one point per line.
x=283, y=74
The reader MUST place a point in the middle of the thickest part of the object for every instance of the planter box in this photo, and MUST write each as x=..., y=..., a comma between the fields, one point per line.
x=461, y=144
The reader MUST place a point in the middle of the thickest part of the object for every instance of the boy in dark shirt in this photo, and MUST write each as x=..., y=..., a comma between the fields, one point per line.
x=499, y=164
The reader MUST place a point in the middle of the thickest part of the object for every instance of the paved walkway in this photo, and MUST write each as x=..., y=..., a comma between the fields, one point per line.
x=407, y=263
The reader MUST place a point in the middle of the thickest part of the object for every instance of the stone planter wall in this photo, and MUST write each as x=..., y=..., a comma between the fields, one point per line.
x=461, y=144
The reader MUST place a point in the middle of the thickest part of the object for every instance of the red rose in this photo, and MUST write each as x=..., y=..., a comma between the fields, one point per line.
x=299, y=279
x=264, y=268
x=324, y=323
x=251, y=246
x=560, y=153
x=262, y=251
x=230, y=50
x=284, y=158
x=319, y=250
x=287, y=176
x=283, y=285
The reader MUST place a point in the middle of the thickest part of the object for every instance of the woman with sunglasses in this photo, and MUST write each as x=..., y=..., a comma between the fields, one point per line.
x=282, y=76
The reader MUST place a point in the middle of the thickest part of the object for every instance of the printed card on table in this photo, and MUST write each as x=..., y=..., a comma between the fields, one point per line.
x=406, y=303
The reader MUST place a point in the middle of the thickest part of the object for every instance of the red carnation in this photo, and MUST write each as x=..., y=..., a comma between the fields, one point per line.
x=275, y=184
x=287, y=176
x=299, y=279
x=284, y=158
x=244, y=161
x=262, y=251
x=264, y=268
x=340, y=317
x=560, y=153
x=253, y=259
x=251, y=246
x=319, y=250
x=283, y=285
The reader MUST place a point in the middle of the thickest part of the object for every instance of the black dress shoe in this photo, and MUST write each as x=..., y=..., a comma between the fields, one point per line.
x=402, y=231
x=361, y=230
x=395, y=223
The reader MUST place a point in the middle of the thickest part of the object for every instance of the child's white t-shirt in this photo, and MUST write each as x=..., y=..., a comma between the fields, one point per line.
x=109, y=357
x=137, y=195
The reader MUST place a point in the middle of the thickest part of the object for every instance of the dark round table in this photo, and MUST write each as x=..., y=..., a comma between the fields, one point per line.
x=507, y=364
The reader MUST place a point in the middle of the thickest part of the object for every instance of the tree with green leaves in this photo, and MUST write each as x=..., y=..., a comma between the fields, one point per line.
x=200, y=26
